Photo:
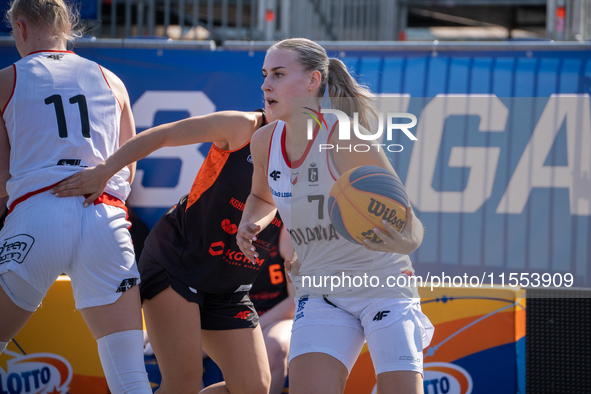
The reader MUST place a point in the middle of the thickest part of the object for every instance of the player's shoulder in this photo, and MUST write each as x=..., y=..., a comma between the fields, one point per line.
x=114, y=81
x=264, y=134
x=260, y=142
x=250, y=120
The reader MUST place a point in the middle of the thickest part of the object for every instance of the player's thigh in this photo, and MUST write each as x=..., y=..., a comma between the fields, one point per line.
x=104, y=266
x=400, y=382
x=277, y=336
x=398, y=346
x=317, y=373
x=18, y=316
x=325, y=343
x=122, y=315
x=321, y=327
x=321, y=358
x=38, y=238
x=241, y=355
x=174, y=329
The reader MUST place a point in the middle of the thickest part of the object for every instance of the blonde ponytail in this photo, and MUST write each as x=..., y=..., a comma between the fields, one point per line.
x=346, y=94
x=53, y=17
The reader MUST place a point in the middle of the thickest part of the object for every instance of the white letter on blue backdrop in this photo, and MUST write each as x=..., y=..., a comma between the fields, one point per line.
x=144, y=110
x=481, y=160
x=576, y=176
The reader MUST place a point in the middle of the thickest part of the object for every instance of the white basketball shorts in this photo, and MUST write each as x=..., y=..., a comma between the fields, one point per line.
x=45, y=236
x=395, y=329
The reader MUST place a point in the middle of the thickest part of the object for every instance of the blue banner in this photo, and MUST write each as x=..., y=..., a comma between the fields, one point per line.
x=506, y=190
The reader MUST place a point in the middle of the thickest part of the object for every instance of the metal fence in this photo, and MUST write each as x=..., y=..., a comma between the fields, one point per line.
x=179, y=19
x=326, y=20
x=252, y=19
x=568, y=20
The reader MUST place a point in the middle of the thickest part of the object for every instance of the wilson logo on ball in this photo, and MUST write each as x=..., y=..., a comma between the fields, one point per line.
x=381, y=211
x=364, y=196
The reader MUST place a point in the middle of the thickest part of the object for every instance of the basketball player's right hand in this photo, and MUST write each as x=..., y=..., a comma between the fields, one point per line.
x=291, y=268
x=247, y=234
x=89, y=182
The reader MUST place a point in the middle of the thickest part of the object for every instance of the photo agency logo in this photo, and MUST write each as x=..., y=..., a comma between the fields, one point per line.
x=344, y=126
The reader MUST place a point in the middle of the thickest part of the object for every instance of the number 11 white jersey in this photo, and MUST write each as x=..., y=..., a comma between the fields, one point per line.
x=62, y=116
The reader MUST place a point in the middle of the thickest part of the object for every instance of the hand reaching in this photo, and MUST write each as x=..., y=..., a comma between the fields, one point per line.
x=403, y=242
x=291, y=267
x=89, y=182
x=247, y=233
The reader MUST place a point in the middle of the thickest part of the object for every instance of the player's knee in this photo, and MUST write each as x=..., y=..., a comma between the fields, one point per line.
x=184, y=379
x=276, y=352
x=261, y=386
x=179, y=387
x=258, y=383
x=122, y=359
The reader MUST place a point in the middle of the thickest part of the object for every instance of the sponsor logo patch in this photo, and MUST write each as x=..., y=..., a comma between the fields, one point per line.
x=39, y=373
x=127, y=284
x=16, y=248
x=446, y=378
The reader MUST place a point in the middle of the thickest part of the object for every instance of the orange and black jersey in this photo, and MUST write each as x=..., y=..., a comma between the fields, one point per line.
x=195, y=241
x=270, y=288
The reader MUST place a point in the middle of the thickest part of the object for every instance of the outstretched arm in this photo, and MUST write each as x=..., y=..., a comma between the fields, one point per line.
x=230, y=129
x=260, y=209
x=284, y=309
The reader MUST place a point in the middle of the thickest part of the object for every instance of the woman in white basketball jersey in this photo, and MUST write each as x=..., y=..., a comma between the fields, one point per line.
x=60, y=113
x=295, y=175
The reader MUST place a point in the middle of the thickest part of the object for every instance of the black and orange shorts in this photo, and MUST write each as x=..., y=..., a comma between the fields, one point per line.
x=218, y=311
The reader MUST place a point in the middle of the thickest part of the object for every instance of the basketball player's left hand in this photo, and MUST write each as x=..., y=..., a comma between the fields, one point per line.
x=402, y=242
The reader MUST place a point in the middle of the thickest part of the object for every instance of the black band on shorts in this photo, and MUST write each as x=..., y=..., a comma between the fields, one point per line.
x=328, y=302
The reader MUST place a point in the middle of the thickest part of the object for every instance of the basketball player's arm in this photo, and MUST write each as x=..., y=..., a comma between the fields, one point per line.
x=4, y=159
x=127, y=124
x=284, y=310
x=260, y=209
x=411, y=236
x=230, y=129
x=6, y=82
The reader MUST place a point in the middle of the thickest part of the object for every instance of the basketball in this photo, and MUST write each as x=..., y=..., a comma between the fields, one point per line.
x=364, y=196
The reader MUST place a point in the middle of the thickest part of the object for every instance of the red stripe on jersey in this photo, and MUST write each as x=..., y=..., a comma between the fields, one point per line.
x=26, y=196
x=51, y=50
x=11, y=94
x=104, y=198
x=108, y=199
x=298, y=162
x=271, y=144
x=109, y=85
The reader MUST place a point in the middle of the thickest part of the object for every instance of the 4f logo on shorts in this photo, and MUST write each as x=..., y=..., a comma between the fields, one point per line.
x=243, y=315
x=16, y=248
x=127, y=284
x=380, y=315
